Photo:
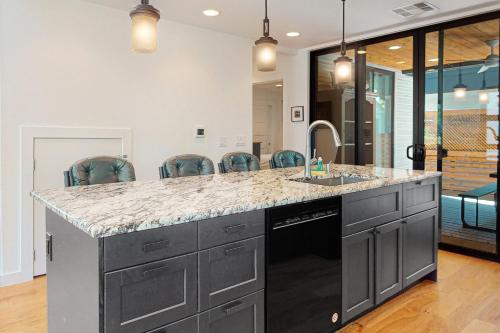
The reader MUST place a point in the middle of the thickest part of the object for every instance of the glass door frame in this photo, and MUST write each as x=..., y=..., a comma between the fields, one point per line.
x=419, y=43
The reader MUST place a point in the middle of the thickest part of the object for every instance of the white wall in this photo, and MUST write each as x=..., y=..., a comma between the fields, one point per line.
x=293, y=69
x=69, y=63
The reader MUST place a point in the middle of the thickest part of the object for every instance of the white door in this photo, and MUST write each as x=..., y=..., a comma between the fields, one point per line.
x=52, y=157
x=262, y=122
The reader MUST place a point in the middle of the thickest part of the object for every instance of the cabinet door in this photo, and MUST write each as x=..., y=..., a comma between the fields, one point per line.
x=142, y=298
x=388, y=260
x=231, y=271
x=245, y=315
x=358, y=268
x=420, y=239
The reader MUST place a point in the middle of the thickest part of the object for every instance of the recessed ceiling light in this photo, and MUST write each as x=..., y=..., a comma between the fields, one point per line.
x=279, y=85
x=211, y=12
x=394, y=47
x=293, y=34
x=401, y=62
x=434, y=60
x=361, y=51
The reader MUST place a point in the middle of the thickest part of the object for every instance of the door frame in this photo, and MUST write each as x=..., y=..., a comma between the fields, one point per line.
x=27, y=136
x=418, y=91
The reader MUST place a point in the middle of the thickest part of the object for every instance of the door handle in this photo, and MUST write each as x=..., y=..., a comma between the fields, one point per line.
x=234, y=307
x=234, y=228
x=48, y=246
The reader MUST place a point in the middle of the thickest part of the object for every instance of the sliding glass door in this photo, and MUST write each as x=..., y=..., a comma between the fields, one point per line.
x=461, y=130
x=424, y=99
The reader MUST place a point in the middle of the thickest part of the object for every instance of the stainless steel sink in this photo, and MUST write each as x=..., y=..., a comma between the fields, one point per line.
x=334, y=181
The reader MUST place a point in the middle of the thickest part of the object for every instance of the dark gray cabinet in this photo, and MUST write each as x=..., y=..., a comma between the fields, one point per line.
x=419, y=196
x=245, y=315
x=368, y=209
x=141, y=298
x=358, y=268
x=230, y=271
x=420, y=241
x=388, y=260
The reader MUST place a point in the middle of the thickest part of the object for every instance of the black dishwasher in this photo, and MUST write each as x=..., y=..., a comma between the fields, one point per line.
x=303, y=273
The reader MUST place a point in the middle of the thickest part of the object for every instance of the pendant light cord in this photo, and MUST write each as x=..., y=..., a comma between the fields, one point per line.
x=343, y=47
x=266, y=22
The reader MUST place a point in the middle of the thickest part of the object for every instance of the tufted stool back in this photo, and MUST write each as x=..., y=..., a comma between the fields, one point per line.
x=99, y=170
x=287, y=159
x=239, y=161
x=186, y=165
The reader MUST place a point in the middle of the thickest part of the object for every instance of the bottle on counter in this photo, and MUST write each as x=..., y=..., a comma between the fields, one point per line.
x=320, y=164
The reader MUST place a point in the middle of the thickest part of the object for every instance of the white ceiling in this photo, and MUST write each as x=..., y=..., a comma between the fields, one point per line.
x=318, y=21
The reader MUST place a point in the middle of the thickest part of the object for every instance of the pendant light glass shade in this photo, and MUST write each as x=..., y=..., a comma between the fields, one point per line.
x=343, y=64
x=460, y=90
x=483, y=97
x=144, y=27
x=343, y=70
x=266, y=49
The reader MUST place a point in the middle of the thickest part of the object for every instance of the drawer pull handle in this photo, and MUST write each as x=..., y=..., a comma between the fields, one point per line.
x=155, y=246
x=232, y=229
x=48, y=246
x=234, y=250
x=234, y=308
x=155, y=272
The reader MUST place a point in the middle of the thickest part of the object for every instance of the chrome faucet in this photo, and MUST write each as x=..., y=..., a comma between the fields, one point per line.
x=336, y=143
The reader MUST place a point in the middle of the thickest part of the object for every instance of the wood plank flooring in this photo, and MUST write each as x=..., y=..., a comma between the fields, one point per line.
x=465, y=300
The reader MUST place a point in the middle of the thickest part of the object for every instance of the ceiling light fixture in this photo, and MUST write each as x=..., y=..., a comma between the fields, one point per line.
x=211, y=12
x=293, y=34
x=361, y=51
x=394, y=47
x=434, y=60
x=279, y=85
x=144, y=27
x=460, y=90
x=266, y=49
x=401, y=62
x=343, y=64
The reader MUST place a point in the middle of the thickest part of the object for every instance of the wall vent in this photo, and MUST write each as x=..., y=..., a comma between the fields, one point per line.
x=415, y=9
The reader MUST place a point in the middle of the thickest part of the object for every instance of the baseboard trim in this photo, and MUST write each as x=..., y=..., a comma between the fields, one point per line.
x=12, y=278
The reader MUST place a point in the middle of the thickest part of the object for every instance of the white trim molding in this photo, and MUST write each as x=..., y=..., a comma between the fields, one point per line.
x=27, y=136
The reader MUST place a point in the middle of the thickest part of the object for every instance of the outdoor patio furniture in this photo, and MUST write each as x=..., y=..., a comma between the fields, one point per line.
x=476, y=194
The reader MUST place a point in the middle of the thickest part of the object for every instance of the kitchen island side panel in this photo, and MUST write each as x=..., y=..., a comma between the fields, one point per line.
x=73, y=284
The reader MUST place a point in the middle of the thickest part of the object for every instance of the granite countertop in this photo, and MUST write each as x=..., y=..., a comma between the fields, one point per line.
x=111, y=209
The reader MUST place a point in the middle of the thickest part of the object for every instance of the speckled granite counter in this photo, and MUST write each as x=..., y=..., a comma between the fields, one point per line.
x=111, y=209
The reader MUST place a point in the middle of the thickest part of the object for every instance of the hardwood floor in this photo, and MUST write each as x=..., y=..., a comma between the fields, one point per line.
x=466, y=299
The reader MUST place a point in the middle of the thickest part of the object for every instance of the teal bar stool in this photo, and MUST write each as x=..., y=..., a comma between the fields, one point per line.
x=286, y=159
x=186, y=165
x=238, y=161
x=99, y=170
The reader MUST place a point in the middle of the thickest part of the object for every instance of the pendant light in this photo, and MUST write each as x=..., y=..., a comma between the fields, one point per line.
x=144, y=27
x=265, y=48
x=460, y=90
x=343, y=64
x=483, y=95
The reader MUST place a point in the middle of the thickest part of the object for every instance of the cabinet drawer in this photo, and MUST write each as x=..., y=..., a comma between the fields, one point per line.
x=368, y=209
x=245, y=315
x=142, y=298
x=189, y=325
x=230, y=271
x=136, y=248
x=420, y=195
x=230, y=228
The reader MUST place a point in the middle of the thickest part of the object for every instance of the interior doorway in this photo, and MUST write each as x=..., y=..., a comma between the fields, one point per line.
x=267, y=120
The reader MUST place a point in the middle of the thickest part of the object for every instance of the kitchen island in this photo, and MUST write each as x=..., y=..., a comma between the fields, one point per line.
x=187, y=255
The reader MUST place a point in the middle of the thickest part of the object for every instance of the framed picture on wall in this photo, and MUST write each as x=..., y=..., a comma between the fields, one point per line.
x=297, y=113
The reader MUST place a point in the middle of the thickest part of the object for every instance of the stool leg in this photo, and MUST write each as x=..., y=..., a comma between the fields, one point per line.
x=477, y=212
x=462, y=212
